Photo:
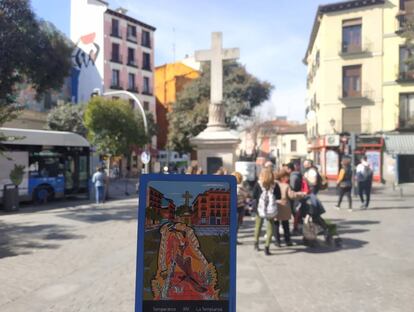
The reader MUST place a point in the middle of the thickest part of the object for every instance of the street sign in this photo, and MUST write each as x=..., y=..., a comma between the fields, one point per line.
x=145, y=157
x=186, y=259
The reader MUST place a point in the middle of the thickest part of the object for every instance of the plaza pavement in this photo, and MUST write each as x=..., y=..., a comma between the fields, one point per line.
x=76, y=256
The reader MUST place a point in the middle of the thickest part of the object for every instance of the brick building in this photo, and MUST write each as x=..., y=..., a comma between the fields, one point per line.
x=212, y=207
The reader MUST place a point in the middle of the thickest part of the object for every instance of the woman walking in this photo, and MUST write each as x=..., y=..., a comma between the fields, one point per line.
x=98, y=179
x=265, y=193
x=242, y=196
x=284, y=205
x=344, y=183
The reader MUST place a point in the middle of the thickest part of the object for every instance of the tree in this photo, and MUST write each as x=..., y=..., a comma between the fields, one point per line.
x=242, y=92
x=31, y=50
x=114, y=127
x=67, y=117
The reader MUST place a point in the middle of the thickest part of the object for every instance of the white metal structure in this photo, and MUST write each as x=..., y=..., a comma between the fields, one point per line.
x=43, y=137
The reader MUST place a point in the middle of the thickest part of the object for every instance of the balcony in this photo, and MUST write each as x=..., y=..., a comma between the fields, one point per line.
x=355, y=50
x=133, y=89
x=116, y=33
x=116, y=58
x=364, y=96
x=403, y=20
x=147, y=67
x=405, y=76
x=132, y=63
x=132, y=38
x=116, y=86
x=147, y=92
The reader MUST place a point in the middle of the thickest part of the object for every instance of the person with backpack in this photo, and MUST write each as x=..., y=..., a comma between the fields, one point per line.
x=265, y=193
x=364, y=175
x=311, y=205
x=344, y=183
x=284, y=206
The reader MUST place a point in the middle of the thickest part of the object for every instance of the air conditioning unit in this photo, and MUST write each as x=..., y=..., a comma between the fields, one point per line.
x=332, y=140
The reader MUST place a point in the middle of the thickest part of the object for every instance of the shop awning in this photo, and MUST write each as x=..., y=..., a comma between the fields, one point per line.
x=399, y=144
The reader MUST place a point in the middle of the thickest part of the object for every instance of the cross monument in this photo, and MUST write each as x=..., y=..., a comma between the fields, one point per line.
x=216, y=145
x=216, y=55
x=187, y=196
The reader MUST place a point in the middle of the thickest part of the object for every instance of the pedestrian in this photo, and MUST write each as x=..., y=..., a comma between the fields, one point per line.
x=242, y=196
x=364, y=175
x=295, y=182
x=98, y=179
x=311, y=205
x=284, y=206
x=344, y=183
x=265, y=193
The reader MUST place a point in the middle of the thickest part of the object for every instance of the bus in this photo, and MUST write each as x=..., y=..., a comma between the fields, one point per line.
x=57, y=164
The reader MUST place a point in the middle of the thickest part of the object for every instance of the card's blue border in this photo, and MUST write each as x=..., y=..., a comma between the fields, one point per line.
x=143, y=182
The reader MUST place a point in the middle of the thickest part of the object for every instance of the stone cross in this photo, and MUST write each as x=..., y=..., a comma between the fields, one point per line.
x=187, y=196
x=216, y=55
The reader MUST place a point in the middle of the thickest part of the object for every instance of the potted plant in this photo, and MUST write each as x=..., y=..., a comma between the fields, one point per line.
x=11, y=195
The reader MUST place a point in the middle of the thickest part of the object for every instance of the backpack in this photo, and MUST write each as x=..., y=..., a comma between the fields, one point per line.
x=267, y=207
x=296, y=178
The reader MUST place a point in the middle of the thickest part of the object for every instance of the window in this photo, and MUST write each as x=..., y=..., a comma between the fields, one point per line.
x=351, y=83
x=406, y=70
x=131, y=56
x=132, y=33
x=132, y=103
x=407, y=6
x=293, y=144
x=406, y=119
x=146, y=107
x=115, y=78
x=146, y=39
x=351, y=35
x=351, y=119
x=116, y=57
x=146, y=61
x=146, y=87
x=131, y=82
x=115, y=28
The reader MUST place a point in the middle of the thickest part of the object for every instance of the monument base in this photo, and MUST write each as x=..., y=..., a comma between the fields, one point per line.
x=216, y=147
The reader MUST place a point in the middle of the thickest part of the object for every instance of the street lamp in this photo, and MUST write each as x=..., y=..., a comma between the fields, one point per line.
x=332, y=122
x=97, y=92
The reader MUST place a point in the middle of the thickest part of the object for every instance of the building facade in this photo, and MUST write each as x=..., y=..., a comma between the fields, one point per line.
x=212, y=207
x=170, y=79
x=357, y=82
x=114, y=51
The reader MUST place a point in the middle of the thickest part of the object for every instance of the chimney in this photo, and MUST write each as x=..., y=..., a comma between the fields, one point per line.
x=122, y=10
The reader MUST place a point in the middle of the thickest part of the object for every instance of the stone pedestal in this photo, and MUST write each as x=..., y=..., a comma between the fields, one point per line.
x=216, y=148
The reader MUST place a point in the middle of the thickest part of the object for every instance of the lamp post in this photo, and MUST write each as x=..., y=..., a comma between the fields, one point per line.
x=332, y=122
x=97, y=92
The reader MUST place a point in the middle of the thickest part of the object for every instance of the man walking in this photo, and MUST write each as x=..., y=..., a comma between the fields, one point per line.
x=364, y=176
x=98, y=179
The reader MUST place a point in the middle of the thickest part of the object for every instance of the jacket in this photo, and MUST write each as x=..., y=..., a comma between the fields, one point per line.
x=284, y=203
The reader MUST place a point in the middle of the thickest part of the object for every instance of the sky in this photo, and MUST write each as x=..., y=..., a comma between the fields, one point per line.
x=175, y=190
x=272, y=36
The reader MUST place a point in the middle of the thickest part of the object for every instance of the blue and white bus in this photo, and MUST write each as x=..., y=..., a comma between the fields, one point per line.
x=56, y=163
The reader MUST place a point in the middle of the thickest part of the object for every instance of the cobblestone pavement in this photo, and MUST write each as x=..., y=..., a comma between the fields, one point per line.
x=81, y=257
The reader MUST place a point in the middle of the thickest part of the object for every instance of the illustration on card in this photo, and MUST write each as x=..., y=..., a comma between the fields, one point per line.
x=186, y=242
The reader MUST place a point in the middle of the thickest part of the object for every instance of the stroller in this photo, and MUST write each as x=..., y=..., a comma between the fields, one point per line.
x=314, y=224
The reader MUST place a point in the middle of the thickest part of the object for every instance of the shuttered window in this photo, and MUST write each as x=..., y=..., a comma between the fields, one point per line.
x=351, y=120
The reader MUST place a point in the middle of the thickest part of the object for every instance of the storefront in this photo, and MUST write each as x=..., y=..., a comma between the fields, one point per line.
x=328, y=151
x=399, y=158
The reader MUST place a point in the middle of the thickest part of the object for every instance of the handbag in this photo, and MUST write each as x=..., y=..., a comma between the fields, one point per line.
x=309, y=229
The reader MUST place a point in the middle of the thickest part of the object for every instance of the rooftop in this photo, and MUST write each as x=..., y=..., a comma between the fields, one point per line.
x=335, y=7
x=130, y=19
